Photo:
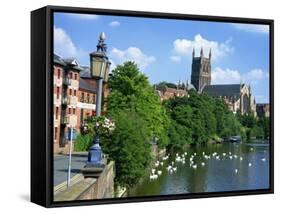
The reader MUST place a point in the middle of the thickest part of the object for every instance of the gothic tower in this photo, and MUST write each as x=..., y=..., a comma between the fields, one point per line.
x=201, y=70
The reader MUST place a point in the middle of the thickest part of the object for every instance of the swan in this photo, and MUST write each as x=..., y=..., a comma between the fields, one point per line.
x=174, y=169
x=203, y=164
x=241, y=158
x=224, y=154
x=194, y=166
x=153, y=177
x=252, y=149
x=156, y=164
x=263, y=159
x=169, y=167
x=229, y=153
x=236, y=171
x=230, y=157
x=185, y=153
x=153, y=171
x=178, y=159
x=250, y=164
x=159, y=172
x=161, y=163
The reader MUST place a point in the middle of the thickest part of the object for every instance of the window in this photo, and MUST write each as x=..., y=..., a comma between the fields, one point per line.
x=75, y=76
x=59, y=73
x=82, y=97
x=94, y=99
x=57, y=112
x=56, y=132
x=81, y=115
x=73, y=110
x=69, y=110
x=58, y=92
x=74, y=92
x=70, y=75
x=70, y=92
x=88, y=98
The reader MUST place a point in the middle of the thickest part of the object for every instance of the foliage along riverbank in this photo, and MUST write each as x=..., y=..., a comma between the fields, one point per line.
x=140, y=119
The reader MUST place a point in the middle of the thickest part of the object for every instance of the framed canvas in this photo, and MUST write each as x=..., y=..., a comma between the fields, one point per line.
x=132, y=106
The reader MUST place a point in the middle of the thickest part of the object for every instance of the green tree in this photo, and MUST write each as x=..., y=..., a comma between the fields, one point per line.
x=139, y=118
x=128, y=147
x=130, y=89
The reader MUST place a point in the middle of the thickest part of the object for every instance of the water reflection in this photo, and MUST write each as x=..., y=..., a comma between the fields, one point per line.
x=233, y=167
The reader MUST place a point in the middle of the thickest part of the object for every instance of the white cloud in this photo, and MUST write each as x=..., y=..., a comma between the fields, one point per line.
x=114, y=24
x=176, y=59
x=252, y=28
x=65, y=47
x=185, y=46
x=131, y=54
x=63, y=44
x=230, y=76
x=83, y=16
x=227, y=76
x=254, y=76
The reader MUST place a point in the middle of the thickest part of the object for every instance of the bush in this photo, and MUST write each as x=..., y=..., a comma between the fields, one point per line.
x=128, y=147
x=83, y=143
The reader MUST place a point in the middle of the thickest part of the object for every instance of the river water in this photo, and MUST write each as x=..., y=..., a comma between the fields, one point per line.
x=242, y=167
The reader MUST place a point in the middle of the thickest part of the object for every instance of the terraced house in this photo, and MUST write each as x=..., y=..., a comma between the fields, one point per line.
x=74, y=98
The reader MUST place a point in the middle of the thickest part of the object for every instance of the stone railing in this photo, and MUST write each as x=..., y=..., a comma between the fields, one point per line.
x=91, y=188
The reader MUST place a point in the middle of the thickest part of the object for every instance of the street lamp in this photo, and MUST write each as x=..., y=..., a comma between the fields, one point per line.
x=99, y=68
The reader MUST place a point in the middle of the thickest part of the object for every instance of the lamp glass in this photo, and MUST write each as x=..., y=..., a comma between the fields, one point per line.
x=98, y=67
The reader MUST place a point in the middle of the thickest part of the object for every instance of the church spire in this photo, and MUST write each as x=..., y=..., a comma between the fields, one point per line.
x=210, y=54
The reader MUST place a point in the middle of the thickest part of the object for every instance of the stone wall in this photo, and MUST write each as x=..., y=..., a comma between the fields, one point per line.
x=91, y=188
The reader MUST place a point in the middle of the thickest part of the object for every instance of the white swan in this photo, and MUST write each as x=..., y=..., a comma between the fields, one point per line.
x=194, y=166
x=263, y=159
x=203, y=164
x=236, y=171
x=250, y=164
x=159, y=172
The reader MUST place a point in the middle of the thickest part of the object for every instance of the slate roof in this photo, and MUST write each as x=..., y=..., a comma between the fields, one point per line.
x=223, y=90
x=85, y=73
x=86, y=86
x=71, y=62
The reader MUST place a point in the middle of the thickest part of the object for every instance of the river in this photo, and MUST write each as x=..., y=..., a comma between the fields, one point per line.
x=226, y=167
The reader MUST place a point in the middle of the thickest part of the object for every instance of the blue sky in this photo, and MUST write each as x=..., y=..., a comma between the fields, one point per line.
x=162, y=48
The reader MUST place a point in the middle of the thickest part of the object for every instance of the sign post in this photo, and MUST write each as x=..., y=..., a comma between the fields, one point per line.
x=71, y=136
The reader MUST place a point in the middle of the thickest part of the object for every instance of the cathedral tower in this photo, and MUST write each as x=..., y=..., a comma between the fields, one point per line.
x=201, y=70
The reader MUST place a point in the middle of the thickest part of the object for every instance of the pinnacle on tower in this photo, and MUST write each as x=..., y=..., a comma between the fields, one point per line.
x=201, y=52
x=210, y=53
x=193, y=53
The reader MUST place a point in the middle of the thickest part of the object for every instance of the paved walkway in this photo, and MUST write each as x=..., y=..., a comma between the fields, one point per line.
x=61, y=166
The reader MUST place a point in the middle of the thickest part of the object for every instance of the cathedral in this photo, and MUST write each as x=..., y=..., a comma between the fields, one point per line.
x=238, y=97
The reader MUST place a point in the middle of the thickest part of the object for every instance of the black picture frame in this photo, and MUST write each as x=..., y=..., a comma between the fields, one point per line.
x=42, y=107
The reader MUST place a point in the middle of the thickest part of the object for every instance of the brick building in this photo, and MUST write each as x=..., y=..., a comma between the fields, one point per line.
x=74, y=95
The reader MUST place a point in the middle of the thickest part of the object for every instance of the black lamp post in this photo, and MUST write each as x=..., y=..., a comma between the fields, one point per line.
x=99, y=71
